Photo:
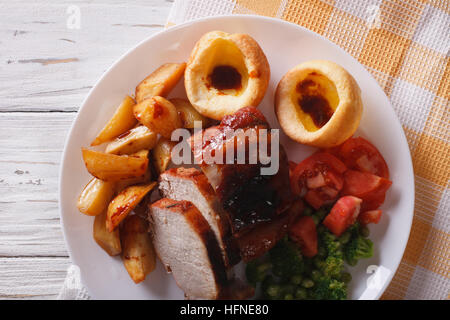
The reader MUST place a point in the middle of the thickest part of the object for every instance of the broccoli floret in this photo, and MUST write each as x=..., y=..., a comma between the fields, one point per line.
x=331, y=243
x=354, y=228
x=287, y=260
x=330, y=289
x=333, y=266
x=358, y=248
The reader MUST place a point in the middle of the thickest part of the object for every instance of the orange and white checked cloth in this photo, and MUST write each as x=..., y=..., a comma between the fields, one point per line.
x=406, y=47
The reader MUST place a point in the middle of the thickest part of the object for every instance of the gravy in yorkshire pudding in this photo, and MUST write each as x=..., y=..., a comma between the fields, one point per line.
x=318, y=103
x=225, y=73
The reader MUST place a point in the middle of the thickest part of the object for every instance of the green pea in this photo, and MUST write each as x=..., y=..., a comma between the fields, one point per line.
x=264, y=267
x=345, y=237
x=346, y=277
x=364, y=231
x=256, y=271
x=296, y=280
x=315, y=275
x=332, y=237
x=267, y=282
x=307, y=283
x=301, y=293
x=273, y=290
x=288, y=296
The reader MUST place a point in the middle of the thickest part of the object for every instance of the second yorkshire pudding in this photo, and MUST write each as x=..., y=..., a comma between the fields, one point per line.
x=225, y=73
x=318, y=103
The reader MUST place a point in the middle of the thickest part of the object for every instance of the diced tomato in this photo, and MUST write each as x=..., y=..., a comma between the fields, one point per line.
x=360, y=154
x=317, y=177
x=331, y=193
x=303, y=232
x=372, y=216
x=315, y=199
x=342, y=215
x=373, y=204
x=364, y=185
x=316, y=182
x=336, y=180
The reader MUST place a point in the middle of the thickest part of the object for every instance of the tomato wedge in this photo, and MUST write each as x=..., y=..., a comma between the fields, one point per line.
x=315, y=198
x=360, y=154
x=303, y=232
x=373, y=204
x=372, y=216
x=342, y=215
x=365, y=185
x=318, y=178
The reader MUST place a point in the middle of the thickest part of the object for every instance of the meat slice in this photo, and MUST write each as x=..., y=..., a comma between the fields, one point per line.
x=265, y=236
x=254, y=243
x=248, y=197
x=191, y=185
x=186, y=245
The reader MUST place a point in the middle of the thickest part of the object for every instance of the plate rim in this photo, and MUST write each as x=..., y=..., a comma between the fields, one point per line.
x=70, y=133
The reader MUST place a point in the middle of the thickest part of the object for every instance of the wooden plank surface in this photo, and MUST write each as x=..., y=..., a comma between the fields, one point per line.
x=47, y=67
x=46, y=71
x=32, y=278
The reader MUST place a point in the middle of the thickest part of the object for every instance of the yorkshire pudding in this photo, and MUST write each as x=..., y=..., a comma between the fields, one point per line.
x=318, y=103
x=225, y=73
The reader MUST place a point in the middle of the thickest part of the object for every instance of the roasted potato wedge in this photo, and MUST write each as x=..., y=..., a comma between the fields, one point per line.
x=159, y=115
x=95, y=197
x=188, y=114
x=109, y=241
x=141, y=154
x=124, y=203
x=161, y=154
x=132, y=141
x=145, y=178
x=122, y=121
x=122, y=184
x=138, y=254
x=142, y=208
x=111, y=167
x=160, y=82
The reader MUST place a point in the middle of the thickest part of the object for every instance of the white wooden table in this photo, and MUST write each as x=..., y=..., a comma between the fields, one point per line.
x=47, y=68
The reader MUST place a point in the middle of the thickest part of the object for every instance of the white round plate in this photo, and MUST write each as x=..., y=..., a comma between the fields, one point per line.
x=285, y=45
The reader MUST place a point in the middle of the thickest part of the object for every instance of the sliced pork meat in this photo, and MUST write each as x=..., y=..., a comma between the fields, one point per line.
x=188, y=248
x=192, y=185
x=248, y=197
x=265, y=236
x=251, y=199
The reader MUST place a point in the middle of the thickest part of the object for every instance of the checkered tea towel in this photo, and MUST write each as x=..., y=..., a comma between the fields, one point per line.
x=405, y=45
